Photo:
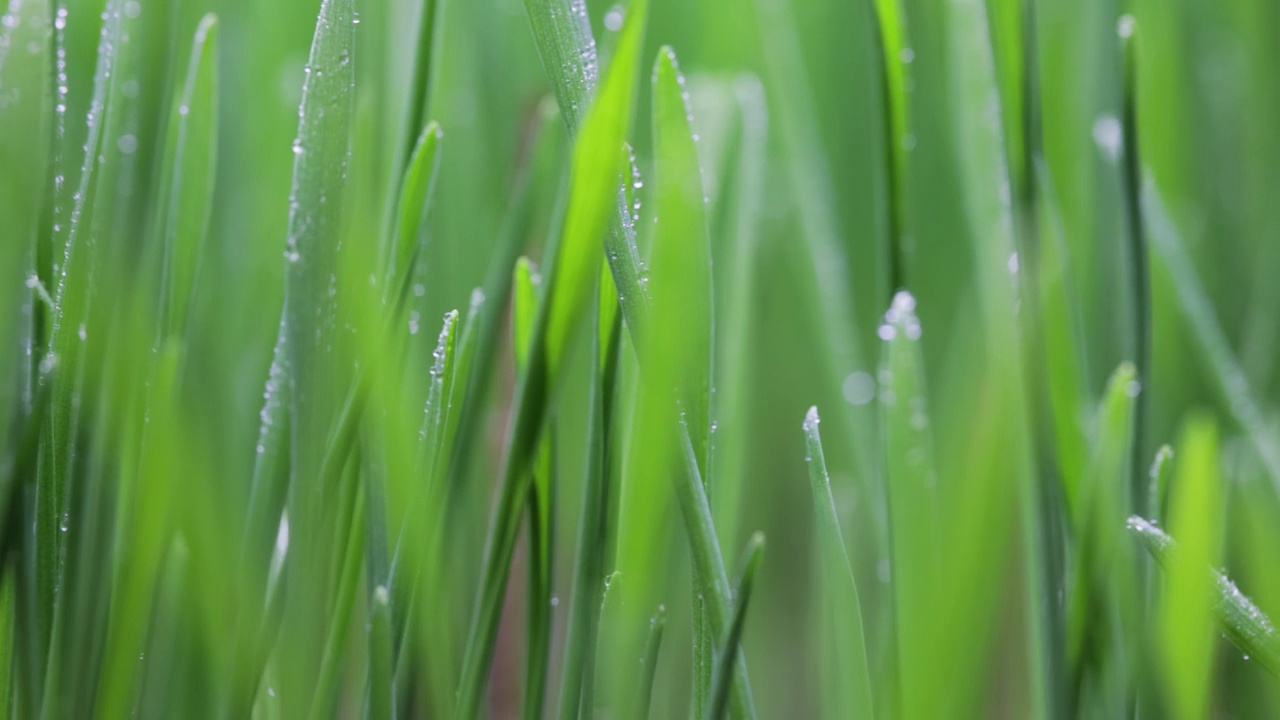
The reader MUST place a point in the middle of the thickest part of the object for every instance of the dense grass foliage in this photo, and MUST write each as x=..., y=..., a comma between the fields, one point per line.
x=430, y=358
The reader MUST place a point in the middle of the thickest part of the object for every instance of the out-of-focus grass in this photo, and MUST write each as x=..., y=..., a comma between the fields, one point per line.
x=1010, y=248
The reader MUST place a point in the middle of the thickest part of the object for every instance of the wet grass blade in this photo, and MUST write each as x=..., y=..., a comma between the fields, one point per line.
x=1237, y=616
x=321, y=152
x=848, y=680
x=722, y=681
x=913, y=498
x=190, y=164
x=572, y=262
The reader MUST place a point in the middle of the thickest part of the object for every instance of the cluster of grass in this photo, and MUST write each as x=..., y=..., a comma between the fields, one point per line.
x=1009, y=247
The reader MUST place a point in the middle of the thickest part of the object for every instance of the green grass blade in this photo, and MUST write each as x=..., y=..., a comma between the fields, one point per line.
x=572, y=261
x=681, y=255
x=381, y=699
x=718, y=701
x=1185, y=617
x=326, y=692
x=190, y=165
x=848, y=678
x=913, y=498
x=1225, y=369
x=321, y=152
x=1237, y=616
x=649, y=666
x=739, y=259
x=416, y=189
x=588, y=567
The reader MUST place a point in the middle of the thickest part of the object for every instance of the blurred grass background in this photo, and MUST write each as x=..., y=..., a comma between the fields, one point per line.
x=1206, y=110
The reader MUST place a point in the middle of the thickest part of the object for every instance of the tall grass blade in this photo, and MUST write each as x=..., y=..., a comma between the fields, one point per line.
x=190, y=160
x=848, y=678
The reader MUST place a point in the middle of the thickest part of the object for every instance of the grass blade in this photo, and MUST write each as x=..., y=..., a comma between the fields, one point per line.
x=649, y=666
x=718, y=701
x=913, y=498
x=190, y=165
x=848, y=678
x=1237, y=616
x=416, y=189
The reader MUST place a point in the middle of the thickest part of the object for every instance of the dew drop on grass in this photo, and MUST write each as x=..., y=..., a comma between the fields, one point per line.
x=128, y=144
x=1108, y=135
x=613, y=18
x=1124, y=26
x=1013, y=264
x=907, y=55
x=1132, y=388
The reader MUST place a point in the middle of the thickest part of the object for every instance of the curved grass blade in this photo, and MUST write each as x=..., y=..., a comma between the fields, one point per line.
x=416, y=189
x=681, y=254
x=649, y=666
x=681, y=291
x=913, y=499
x=848, y=679
x=1237, y=616
x=186, y=200
x=718, y=702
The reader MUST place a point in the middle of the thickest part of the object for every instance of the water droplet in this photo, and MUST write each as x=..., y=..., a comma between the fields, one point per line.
x=132, y=9
x=1124, y=26
x=613, y=18
x=1108, y=135
x=1013, y=264
x=82, y=333
x=859, y=388
x=1132, y=388
x=555, y=601
x=128, y=144
x=907, y=55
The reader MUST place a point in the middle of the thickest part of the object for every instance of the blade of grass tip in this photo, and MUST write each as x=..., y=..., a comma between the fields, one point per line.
x=415, y=560
x=1158, y=491
x=1237, y=616
x=681, y=290
x=718, y=702
x=595, y=176
x=588, y=567
x=190, y=156
x=610, y=601
x=649, y=665
x=416, y=188
x=849, y=678
x=321, y=152
x=1099, y=575
x=810, y=176
x=1196, y=307
x=527, y=293
x=422, y=80
x=913, y=500
x=1185, y=615
x=681, y=254
x=1137, y=253
x=562, y=34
